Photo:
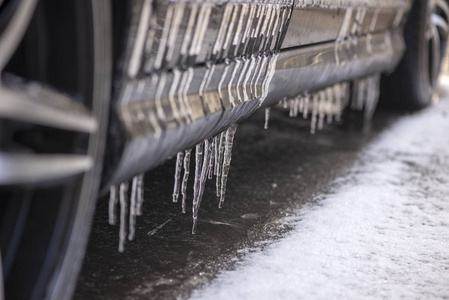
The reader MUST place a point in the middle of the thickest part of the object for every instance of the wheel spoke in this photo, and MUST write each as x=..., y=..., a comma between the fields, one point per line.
x=442, y=4
x=35, y=168
x=42, y=106
x=440, y=23
x=436, y=55
x=2, y=283
x=13, y=34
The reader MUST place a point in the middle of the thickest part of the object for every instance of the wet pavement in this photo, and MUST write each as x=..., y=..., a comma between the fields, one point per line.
x=273, y=173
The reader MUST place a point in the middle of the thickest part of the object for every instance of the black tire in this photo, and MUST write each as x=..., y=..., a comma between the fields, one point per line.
x=63, y=60
x=412, y=85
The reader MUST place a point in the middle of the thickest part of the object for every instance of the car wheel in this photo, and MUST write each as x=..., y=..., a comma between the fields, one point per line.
x=54, y=93
x=413, y=83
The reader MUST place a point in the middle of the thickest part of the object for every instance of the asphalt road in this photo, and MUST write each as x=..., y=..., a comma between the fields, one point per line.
x=273, y=173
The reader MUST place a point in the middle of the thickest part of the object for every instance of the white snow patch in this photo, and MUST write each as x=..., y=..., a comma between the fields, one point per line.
x=382, y=233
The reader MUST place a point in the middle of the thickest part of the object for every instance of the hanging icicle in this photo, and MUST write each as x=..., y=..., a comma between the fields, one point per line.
x=113, y=199
x=267, y=117
x=130, y=207
x=229, y=141
x=140, y=195
x=313, y=121
x=372, y=96
x=123, y=210
x=220, y=164
x=135, y=206
x=185, y=179
x=177, y=185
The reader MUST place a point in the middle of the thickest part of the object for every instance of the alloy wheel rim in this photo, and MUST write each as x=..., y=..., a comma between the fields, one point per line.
x=65, y=170
x=437, y=29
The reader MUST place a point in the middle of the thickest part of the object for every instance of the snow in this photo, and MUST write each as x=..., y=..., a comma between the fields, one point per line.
x=383, y=231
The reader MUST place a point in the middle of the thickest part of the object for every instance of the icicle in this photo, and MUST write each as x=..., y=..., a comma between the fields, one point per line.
x=306, y=106
x=123, y=203
x=354, y=94
x=291, y=103
x=179, y=160
x=198, y=169
x=372, y=97
x=202, y=183
x=296, y=107
x=230, y=133
x=285, y=103
x=330, y=104
x=132, y=209
x=210, y=170
x=321, y=109
x=267, y=117
x=112, y=203
x=361, y=94
x=338, y=96
x=314, y=114
x=301, y=104
x=216, y=154
x=140, y=195
x=220, y=160
x=185, y=179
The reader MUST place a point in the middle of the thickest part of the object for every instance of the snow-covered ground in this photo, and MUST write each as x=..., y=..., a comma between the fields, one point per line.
x=383, y=232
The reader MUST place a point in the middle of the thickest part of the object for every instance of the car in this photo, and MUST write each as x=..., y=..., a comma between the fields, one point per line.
x=94, y=93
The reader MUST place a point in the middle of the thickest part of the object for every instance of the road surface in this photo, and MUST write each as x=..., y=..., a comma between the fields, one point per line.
x=348, y=212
